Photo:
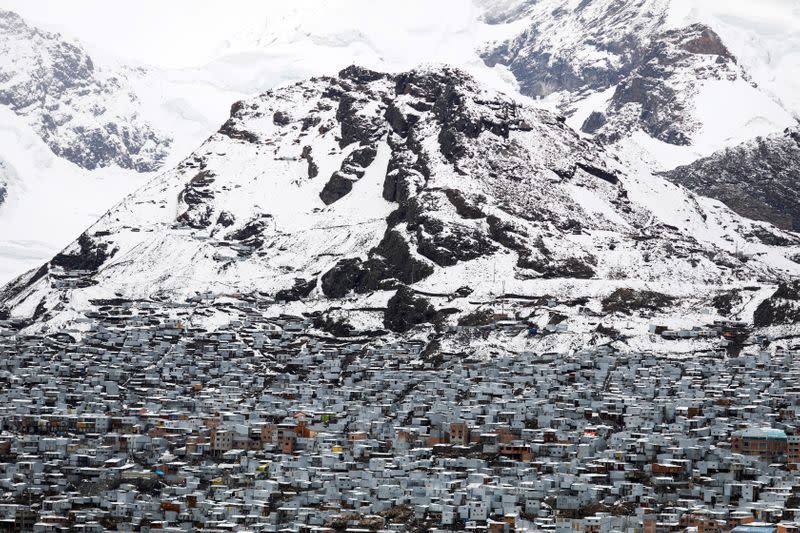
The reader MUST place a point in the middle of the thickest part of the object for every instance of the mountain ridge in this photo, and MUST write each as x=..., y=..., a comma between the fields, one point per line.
x=756, y=179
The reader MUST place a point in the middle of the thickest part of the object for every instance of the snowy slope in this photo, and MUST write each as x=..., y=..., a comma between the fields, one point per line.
x=764, y=37
x=48, y=199
x=758, y=179
x=349, y=187
x=78, y=136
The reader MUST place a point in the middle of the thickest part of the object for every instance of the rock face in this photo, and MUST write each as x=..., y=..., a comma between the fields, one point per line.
x=353, y=168
x=88, y=256
x=406, y=310
x=83, y=113
x=657, y=94
x=448, y=184
x=628, y=300
x=758, y=179
x=301, y=289
x=4, y=177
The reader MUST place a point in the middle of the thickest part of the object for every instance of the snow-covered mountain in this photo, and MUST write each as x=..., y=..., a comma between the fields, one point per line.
x=273, y=46
x=663, y=81
x=647, y=66
x=84, y=113
x=348, y=189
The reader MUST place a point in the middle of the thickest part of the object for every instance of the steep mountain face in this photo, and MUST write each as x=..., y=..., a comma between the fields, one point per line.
x=622, y=67
x=757, y=179
x=84, y=114
x=644, y=77
x=354, y=187
x=657, y=95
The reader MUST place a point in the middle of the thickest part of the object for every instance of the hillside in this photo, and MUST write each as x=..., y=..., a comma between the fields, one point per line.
x=349, y=189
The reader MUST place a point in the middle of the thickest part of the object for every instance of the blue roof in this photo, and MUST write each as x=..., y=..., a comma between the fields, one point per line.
x=762, y=433
x=766, y=528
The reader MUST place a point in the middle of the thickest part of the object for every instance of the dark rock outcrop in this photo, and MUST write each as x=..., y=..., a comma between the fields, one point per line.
x=600, y=173
x=196, y=195
x=353, y=274
x=232, y=130
x=279, y=118
x=301, y=289
x=254, y=228
x=352, y=169
x=338, y=327
x=466, y=208
x=89, y=256
x=594, y=122
x=391, y=260
x=226, y=219
x=782, y=308
x=313, y=169
x=407, y=172
x=338, y=186
x=627, y=301
x=725, y=302
x=357, y=124
x=406, y=310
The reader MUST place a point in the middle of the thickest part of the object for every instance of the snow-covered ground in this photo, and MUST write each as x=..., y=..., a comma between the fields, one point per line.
x=763, y=35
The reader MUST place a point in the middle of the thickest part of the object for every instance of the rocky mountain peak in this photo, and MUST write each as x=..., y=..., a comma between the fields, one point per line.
x=657, y=95
x=589, y=47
